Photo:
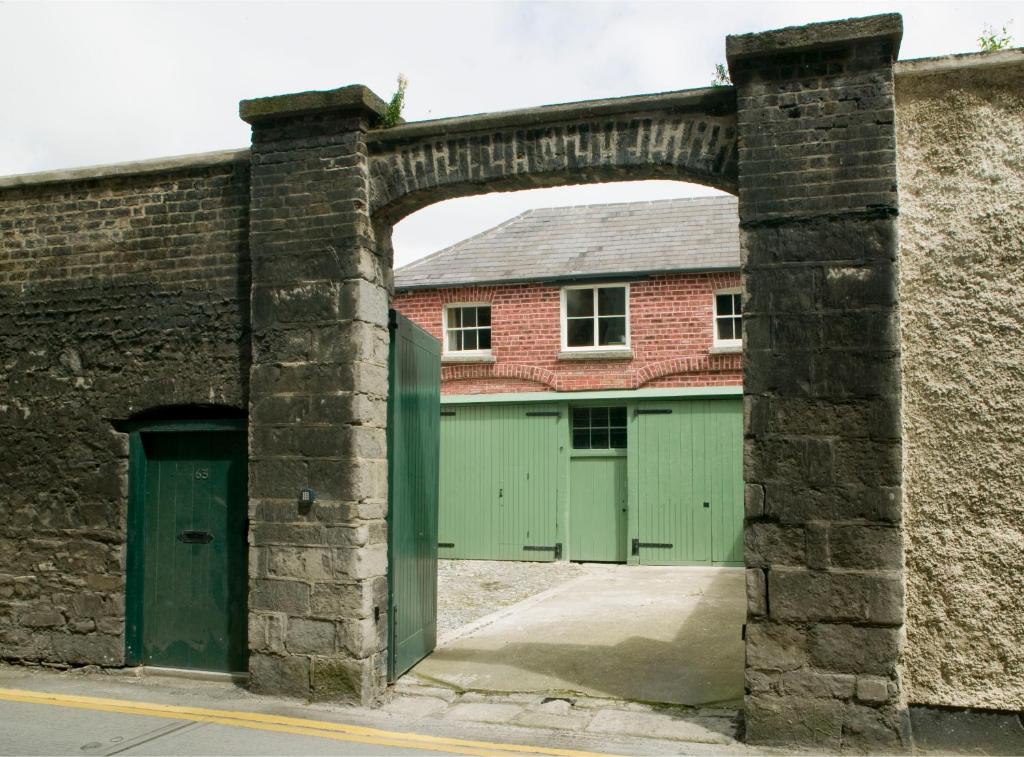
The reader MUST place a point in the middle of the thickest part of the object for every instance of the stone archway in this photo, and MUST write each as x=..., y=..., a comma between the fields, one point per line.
x=806, y=137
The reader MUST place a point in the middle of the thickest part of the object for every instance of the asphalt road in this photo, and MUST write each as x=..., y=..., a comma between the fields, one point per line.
x=40, y=729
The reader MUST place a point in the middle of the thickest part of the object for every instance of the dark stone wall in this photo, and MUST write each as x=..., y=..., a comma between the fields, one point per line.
x=822, y=464
x=117, y=295
x=317, y=574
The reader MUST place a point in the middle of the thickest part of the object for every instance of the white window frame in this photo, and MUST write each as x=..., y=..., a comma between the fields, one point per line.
x=714, y=318
x=444, y=328
x=594, y=348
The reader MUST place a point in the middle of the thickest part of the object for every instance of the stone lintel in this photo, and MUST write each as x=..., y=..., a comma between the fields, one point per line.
x=355, y=99
x=798, y=38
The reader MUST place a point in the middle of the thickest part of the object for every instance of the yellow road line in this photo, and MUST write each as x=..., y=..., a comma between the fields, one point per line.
x=285, y=724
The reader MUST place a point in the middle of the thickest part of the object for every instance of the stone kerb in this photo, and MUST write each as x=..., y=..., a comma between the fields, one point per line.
x=822, y=463
x=318, y=401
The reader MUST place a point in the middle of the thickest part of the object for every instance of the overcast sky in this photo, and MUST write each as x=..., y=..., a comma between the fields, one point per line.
x=84, y=83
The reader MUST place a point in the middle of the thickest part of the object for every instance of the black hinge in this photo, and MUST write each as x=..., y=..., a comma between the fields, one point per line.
x=544, y=414
x=446, y=544
x=557, y=549
x=655, y=545
x=653, y=411
x=447, y=412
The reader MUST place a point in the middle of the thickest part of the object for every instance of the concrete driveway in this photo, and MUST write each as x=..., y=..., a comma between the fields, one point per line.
x=639, y=633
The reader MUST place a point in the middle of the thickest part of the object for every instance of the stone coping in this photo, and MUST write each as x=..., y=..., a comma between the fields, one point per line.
x=959, y=61
x=134, y=168
x=796, y=38
x=711, y=100
x=354, y=98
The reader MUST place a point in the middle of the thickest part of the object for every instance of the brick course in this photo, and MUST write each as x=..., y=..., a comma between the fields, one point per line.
x=671, y=334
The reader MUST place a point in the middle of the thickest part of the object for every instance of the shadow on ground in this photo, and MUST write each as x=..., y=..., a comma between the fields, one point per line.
x=647, y=634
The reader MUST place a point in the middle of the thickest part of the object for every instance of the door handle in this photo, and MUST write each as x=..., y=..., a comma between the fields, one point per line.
x=707, y=504
x=195, y=537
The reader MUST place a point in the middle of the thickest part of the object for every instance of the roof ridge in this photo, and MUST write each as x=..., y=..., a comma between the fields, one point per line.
x=461, y=242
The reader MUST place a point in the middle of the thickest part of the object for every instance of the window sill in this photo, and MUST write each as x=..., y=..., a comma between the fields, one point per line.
x=463, y=359
x=730, y=349
x=595, y=355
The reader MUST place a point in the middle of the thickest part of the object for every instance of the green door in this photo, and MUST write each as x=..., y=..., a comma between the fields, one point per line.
x=499, y=482
x=689, y=482
x=187, y=549
x=597, y=508
x=414, y=401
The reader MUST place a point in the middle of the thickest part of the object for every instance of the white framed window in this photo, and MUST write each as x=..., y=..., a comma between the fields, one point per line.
x=595, y=317
x=728, y=320
x=598, y=427
x=467, y=329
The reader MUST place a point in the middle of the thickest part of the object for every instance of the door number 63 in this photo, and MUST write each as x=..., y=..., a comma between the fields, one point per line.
x=202, y=473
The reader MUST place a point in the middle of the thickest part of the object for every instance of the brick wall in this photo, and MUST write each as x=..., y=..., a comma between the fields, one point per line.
x=671, y=334
x=117, y=295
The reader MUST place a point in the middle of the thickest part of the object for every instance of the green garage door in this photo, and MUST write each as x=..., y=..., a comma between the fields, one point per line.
x=499, y=482
x=688, y=482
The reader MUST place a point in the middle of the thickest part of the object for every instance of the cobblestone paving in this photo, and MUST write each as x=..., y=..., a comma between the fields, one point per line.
x=467, y=590
x=708, y=729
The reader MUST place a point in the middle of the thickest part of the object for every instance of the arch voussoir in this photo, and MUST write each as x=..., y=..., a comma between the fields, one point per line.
x=688, y=136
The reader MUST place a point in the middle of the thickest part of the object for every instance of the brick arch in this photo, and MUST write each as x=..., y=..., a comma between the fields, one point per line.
x=500, y=371
x=687, y=365
x=687, y=136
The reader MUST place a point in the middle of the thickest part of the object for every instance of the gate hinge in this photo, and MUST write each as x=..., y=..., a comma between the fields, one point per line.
x=557, y=549
x=648, y=544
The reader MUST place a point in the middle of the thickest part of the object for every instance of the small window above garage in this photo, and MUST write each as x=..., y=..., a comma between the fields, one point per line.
x=599, y=428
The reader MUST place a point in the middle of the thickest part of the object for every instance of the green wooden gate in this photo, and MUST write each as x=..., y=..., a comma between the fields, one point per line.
x=414, y=401
x=597, y=507
x=499, y=482
x=688, y=482
x=186, y=567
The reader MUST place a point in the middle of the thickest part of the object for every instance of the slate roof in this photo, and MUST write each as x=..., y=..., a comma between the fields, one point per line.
x=589, y=241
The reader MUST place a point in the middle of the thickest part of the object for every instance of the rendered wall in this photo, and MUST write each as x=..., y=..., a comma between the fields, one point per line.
x=960, y=132
x=671, y=337
x=117, y=295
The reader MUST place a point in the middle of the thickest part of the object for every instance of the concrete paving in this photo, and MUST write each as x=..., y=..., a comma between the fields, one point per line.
x=667, y=635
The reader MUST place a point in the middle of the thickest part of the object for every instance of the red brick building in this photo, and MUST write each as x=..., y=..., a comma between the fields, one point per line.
x=591, y=382
x=670, y=267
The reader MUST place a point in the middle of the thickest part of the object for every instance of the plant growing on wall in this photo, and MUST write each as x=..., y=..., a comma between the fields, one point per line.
x=990, y=40
x=392, y=114
x=721, y=77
